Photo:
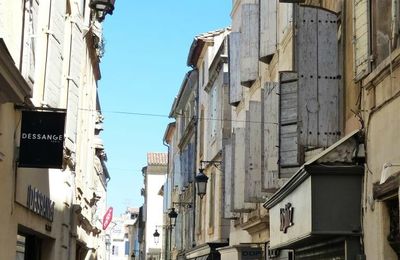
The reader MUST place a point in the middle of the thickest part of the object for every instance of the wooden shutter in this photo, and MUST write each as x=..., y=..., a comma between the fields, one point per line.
x=253, y=151
x=74, y=80
x=268, y=32
x=54, y=67
x=271, y=136
x=177, y=171
x=227, y=181
x=361, y=49
x=29, y=47
x=318, y=77
x=238, y=170
x=289, y=150
x=249, y=40
x=235, y=88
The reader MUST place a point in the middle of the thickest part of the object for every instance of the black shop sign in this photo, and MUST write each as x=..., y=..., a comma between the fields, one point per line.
x=42, y=139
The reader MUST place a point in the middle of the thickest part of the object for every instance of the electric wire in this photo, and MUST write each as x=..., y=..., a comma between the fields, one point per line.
x=179, y=116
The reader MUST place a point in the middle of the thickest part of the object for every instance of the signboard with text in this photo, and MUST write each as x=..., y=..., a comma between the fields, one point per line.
x=42, y=139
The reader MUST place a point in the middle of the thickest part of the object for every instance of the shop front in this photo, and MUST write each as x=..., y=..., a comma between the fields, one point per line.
x=317, y=213
x=207, y=251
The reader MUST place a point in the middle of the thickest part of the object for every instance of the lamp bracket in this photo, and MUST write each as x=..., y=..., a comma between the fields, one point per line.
x=216, y=163
x=183, y=204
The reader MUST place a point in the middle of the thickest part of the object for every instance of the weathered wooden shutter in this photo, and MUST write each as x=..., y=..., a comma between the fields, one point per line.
x=235, y=88
x=54, y=67
x=253, y=149
x=177, y=171
x=29, y=47
x=268, y=32
x=249, y=40
x=289, y=149
x=191, y=161
x=362, y=65
x=271, y=136
x=74, y=80
x=184, y=166
x=227, y=164
x=238, y=170
x=318, y=77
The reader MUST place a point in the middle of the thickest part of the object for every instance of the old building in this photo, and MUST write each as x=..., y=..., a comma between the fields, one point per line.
x=299, y=145
x=50, y=51
x=154, y=175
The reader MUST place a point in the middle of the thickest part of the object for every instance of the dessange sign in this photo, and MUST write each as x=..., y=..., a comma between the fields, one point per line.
x=42, y=139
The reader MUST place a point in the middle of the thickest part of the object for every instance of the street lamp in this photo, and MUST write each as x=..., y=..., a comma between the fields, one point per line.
x=172, y=217
x=201, y=183
x=156, y=236
x=133, y=256
x=102, y=8
x=201, y=179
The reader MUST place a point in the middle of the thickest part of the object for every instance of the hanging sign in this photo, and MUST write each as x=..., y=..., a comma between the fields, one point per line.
x=42, y=139
x=107, y=218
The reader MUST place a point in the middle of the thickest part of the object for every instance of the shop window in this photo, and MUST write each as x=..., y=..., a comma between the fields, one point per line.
x=385, y=29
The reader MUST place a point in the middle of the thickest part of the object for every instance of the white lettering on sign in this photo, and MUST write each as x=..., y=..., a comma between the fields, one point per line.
x=37, y=136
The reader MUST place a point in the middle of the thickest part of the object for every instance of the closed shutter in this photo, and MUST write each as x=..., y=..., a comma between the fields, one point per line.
x=74, y=80
x=318, y=77
x=238, y=170
x=249, y=40
x=271, y=136
x=253, y=153
x=268, y=32
x=54, y=67
x=177, y=171
x=361, y=48
x=289, y=150
x=235, y=88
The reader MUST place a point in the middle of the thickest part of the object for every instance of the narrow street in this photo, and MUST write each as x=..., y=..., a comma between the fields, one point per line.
x=199, y=130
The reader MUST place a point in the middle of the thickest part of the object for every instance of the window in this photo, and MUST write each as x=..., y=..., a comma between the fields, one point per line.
x=213, y=111
x=385, y=29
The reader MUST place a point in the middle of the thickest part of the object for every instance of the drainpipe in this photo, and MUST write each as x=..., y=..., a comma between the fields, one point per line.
x=167, y=249
x=196, y=130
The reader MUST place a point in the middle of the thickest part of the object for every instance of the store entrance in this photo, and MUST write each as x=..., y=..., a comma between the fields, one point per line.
x=28, y=247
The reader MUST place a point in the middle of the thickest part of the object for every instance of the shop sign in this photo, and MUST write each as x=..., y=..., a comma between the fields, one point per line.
x=40, y=203
x=286, y=216
x=107, y=218
x=251, y=254
x=42, y=139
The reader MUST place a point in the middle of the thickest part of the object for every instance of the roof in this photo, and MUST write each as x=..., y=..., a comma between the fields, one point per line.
x=199, y=42
x=157, y=158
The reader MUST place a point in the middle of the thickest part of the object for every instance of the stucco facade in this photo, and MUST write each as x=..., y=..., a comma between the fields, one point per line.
x=49, y=63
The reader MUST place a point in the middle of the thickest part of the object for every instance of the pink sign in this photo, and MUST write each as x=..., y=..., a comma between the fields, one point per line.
x=107, y=218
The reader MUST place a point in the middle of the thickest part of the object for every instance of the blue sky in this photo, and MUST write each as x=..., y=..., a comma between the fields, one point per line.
x=147, y=43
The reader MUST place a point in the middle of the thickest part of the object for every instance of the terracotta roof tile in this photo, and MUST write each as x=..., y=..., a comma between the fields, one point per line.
x=157, y=158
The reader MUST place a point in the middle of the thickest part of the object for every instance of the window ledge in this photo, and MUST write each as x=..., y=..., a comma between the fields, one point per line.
x=383, y=69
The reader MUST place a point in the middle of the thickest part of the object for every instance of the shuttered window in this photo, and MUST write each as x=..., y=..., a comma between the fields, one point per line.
x=271, y=136
x=235, y=88
x=30, y=36
x=249, y=42
x=253, y=152
x=361, y=38
x=54, y=65
x=268, y=32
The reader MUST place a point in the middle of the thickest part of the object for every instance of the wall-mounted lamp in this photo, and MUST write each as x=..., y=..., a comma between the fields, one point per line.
x=156, y=236
x=102, y=8
x=172, y=217
x=201, y=179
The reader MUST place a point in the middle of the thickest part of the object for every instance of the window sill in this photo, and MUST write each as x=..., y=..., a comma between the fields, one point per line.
x=382, y=70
